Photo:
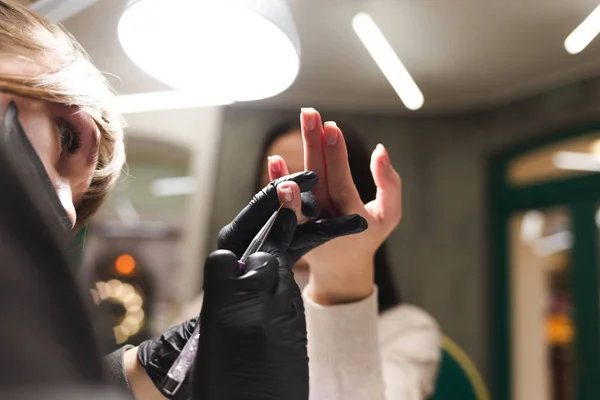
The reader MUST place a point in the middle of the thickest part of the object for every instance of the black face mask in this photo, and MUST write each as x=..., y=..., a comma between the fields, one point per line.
x=28, y=167
x=47, y=338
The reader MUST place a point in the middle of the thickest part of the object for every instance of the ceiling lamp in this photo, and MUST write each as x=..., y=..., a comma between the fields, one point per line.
x=241, y=50
x=166, y=100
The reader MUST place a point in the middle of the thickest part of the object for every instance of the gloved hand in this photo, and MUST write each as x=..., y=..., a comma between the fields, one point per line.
x=157, y=355
x=239, y=233
x=252, y=326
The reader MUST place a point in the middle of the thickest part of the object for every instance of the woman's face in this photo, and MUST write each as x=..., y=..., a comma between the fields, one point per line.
x=66, y=141
x=290, y=147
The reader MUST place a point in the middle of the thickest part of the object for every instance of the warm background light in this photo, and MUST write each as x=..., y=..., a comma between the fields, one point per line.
x=125, y=264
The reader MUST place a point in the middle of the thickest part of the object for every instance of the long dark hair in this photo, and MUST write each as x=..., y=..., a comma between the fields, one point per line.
x=359, y=160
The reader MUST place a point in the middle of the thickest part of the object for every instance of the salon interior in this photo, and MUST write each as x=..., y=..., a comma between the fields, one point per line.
x=490, y=112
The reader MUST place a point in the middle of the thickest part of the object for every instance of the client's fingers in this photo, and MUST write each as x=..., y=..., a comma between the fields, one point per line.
x=387, y=206
x=310, y=207
x=342, y=191
x=239, y=233
x=314, y=160
x=289, y=195
x=277, y=167
x=314, y=234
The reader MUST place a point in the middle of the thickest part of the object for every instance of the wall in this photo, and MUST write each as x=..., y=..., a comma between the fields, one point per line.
x=440, y=248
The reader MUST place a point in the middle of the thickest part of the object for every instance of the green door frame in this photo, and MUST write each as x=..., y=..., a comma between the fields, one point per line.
x=582, y=196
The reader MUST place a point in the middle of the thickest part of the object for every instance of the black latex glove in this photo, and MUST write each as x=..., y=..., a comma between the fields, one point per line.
x=157, y=355
x=252, y=327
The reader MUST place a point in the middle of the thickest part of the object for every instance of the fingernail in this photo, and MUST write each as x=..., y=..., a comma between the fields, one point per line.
x=286, y=190
x=385, y=157
x=331, y=135
x=308, y=118
x=274, y=164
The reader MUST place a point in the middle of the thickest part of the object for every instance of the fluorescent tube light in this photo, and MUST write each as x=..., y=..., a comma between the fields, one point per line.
x=167, y=100
x=576, y=161
x=584, y=33
x=388, y=61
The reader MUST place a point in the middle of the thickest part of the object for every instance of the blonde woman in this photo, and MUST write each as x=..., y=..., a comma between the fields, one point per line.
x=61, y=151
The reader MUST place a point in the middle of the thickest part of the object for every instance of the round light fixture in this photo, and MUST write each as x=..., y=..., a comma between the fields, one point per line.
x=238, y=49
x=125, y=295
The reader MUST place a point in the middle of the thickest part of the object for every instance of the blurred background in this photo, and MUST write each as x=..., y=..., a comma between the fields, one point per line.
x=500, y=165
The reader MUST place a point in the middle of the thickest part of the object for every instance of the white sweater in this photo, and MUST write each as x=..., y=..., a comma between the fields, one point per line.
x=357, y=354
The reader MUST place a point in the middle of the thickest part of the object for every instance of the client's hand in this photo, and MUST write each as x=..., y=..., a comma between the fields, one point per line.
x=157, y=355
x=342, y=270
x=238, y=234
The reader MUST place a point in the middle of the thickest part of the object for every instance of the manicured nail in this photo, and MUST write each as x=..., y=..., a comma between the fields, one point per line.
x=385, y=157
x=331, y=135
x=308, y=118
x=288, y=195
x=274, y=164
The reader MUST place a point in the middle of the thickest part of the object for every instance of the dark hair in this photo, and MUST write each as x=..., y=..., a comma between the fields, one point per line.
x=359, y=160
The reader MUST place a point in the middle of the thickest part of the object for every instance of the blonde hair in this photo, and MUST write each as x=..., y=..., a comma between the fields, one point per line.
x=70, y=78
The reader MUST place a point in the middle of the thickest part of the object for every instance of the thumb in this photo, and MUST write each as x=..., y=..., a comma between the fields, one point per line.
x=387, y=206
x=283, y=230
x=280, y=238
x=220, y=269
x=261, y=273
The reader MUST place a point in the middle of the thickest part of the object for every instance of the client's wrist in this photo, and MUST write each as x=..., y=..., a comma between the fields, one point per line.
x=331, y=298
x=353, y=285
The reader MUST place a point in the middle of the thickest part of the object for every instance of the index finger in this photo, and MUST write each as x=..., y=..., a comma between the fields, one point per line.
x=314, y=158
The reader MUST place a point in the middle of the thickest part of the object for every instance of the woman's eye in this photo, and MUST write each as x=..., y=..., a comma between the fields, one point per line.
x=70, y=139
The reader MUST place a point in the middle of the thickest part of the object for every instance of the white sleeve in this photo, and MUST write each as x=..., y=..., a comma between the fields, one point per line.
x=410, y=351
x=343, y=350
x=355, y=354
